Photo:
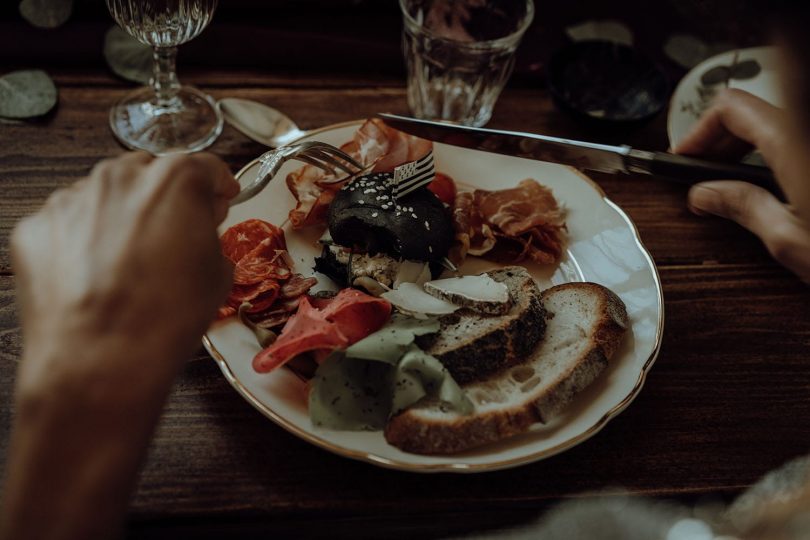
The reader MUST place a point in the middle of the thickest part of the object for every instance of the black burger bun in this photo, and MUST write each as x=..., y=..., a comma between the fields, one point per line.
x=364, y=215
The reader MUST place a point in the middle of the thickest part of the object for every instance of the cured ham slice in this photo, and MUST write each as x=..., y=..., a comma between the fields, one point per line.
x=509, y=225
x=375, y=144
x=518, y=210
x=335, y=323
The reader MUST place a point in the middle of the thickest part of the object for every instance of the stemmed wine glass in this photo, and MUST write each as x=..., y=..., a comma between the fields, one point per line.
x=166, y=117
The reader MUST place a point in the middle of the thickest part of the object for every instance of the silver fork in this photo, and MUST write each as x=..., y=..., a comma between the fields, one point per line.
x=324, y=156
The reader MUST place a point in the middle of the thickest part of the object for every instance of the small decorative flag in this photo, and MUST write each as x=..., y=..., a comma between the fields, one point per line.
x=413, y=175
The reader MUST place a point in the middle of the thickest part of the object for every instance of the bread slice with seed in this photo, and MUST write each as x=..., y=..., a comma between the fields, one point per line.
x=584, y=330
x=472, y=345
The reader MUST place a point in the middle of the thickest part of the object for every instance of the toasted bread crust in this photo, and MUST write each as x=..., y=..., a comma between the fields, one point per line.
x=414, y=433
x=516, y=336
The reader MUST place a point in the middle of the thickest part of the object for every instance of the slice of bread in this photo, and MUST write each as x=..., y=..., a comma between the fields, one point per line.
x=472, y=346
x=585, y=326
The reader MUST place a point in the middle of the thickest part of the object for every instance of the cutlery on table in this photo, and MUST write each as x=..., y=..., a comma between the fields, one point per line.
x=583, y=155
x=259, y=122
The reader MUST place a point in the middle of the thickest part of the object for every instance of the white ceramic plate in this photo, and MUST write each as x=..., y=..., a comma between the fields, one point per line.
x=691, y=97
x=604, y=247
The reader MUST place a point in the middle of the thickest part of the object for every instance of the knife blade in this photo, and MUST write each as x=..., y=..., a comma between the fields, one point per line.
x=583, y=155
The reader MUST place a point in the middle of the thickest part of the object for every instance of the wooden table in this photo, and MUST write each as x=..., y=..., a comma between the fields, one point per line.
x=724, y=403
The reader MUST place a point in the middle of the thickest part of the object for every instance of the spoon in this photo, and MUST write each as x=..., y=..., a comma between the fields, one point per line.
x=259, y=122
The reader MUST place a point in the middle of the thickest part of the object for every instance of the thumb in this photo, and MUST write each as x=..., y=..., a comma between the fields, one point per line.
x=783, y=233
x=751, y=206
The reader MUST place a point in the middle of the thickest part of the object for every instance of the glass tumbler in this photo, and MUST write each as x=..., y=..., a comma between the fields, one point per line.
x=459, y=55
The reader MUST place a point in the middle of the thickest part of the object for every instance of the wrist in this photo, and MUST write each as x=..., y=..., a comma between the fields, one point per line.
x=109, y=372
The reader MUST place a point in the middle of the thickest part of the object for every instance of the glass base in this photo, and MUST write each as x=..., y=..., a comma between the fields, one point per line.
x=188, y=122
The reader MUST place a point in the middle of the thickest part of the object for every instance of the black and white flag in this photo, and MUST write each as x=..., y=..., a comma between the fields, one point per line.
x=413, y=175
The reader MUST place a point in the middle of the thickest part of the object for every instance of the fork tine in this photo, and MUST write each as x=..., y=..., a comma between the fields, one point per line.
x=337, y=152
x=321, y=155
x=308, y=158
x=325, y=156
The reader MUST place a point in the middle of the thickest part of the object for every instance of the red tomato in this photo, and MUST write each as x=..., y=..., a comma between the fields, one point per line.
x=444, y=188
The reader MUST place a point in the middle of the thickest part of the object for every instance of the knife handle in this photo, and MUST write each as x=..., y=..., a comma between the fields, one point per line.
x=691, y=170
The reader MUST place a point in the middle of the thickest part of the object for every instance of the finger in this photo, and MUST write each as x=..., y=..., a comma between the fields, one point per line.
x=224, y=185
x=785, y=235
x=122, y=170
x=736, y=116
x=202, y=176
x=203, y=172
x=751, y=206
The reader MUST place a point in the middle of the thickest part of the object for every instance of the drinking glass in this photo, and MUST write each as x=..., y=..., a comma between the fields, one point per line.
x=459, y=55
x=166, y=117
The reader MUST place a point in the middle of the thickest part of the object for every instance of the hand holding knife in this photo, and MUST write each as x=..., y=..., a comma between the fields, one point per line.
x=583, y=155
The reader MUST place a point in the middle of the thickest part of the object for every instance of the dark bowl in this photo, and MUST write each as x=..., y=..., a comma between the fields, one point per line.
x=602, y=81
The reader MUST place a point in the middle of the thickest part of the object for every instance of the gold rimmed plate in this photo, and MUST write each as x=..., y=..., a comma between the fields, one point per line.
x=603, y=247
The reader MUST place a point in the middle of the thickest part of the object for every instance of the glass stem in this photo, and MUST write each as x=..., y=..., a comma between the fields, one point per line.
x=164, y=80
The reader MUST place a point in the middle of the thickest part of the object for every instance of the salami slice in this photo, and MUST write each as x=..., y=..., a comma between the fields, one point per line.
x=263, y=262
x=243, y=237
x=296, y=286
x=248, y=293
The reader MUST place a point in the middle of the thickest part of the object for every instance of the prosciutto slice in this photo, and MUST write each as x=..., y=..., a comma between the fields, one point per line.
x=375, y=144
x=510, y=225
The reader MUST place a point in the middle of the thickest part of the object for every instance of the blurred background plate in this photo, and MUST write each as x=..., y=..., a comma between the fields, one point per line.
x=752, y=70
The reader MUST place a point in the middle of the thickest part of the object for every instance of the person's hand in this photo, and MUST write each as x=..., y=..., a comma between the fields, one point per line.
x=736, y=123
x=128, y=256
x=117, y=278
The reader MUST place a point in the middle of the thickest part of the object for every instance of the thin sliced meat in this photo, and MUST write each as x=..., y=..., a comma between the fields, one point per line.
x=482, y=238
x=308, y=330
x=373, y=143
x=296, y=286
x=243, y=237
x=263, y=302
x=271, y=322
x=462, y=229
x=261, y=263
x=510, y=225
x=515, y=211
x=278, y=314
x=342, y=320
x=225, y=311
x=357, y=314
x=248, y=293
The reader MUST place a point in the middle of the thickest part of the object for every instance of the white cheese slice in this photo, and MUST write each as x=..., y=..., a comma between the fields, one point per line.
x=481, y=293
x=412, y=299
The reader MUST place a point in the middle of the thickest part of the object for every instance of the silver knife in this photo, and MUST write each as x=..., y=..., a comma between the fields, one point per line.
x=582, y=155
